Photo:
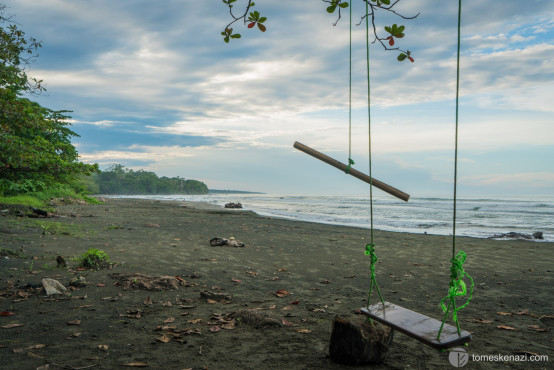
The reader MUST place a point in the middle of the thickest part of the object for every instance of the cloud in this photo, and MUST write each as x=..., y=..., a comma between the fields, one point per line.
x=530, y=180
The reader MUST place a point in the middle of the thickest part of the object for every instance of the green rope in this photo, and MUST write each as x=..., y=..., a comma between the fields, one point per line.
x=457, y=273
x=370, y=248
x=370, y=251
x=457, y=288
x=350, y=160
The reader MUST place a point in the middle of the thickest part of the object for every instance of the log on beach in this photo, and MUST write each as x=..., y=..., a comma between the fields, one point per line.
x=356, y=341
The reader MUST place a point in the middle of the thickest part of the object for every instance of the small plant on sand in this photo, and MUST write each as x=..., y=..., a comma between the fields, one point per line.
x=93, y=259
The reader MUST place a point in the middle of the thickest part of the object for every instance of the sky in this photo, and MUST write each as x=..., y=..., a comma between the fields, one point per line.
x=153, y=86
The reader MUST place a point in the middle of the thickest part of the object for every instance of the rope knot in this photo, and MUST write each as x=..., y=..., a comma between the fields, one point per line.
x=370, y=251
x=458, y=287
x=350, y=163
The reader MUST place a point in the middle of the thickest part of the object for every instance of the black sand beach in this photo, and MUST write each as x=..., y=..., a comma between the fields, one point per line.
x=300, y=275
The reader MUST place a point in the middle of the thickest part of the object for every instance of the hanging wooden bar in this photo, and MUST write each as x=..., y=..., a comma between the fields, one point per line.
x=357, y=174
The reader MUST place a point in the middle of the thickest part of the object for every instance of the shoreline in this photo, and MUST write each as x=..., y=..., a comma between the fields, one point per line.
x=323, y=267
x=520, y=235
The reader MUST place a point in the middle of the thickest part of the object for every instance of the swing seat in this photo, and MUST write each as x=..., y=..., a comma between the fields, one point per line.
x=418, y=326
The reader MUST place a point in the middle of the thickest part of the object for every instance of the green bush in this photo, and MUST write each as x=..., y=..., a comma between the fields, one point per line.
x=94, y=259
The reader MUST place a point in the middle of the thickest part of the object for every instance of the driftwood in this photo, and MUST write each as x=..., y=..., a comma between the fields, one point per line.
x=357, y=174
x=356, y=341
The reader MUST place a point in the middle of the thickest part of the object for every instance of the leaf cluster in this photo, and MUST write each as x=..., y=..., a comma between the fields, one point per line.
x=251, y=19
x=394, y=31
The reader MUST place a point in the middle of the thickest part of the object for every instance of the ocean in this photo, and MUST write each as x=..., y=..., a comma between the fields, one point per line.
x=475, y=217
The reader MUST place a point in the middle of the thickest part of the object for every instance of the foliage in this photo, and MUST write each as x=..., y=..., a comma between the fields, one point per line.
x=43, y=198
x=120, y=180
x=35, y=142
x=252, y=18
x=93, y=259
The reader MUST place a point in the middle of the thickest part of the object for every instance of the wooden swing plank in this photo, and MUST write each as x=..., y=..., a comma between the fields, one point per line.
x=418, y=326
x=359, y=175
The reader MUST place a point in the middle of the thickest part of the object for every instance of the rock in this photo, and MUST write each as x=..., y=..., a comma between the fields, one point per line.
x=78, y=282
x=538, y=235
x=52, y=286
x=356, y=341
x=233, y=205
x=512, y=235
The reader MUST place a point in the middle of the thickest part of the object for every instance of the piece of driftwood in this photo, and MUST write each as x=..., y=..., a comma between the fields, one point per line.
x=418, y=326
x=357, y=174
x=356, y=341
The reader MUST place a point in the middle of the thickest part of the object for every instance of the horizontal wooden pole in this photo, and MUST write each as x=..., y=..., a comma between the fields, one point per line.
x=357, y=174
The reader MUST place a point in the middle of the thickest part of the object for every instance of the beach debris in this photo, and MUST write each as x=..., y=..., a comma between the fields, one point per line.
x=216, y=297
x=136, y=364
x=39, y=212
x=6, y=313
x=480, y=321
x=52, y=286
x=282, y=293
x=538, y=328
x=148, y=282
x=135, y=314
x=233, y=205
x=257, y=319
x=61, y=262
x=11, y=326
x=355, y=341
x=74, y=322
x=231, y=242
x=251, y=273
x=506, y=327
x=36, y=346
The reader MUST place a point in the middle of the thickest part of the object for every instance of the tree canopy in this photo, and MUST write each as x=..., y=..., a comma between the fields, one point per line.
x=35, y=141
x=120, y=180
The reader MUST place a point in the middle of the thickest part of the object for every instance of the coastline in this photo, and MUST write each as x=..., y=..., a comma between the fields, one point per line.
x=322, y=266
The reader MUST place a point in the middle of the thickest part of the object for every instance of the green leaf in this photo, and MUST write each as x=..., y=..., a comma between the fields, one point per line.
x=343, y=5
x=388, y=29
x=226, y=39
x=235, y=36
x=386, y=2
x=252, y=4
x=400, y=29
x=262, y=20
x=401, y=57
x=331, y=9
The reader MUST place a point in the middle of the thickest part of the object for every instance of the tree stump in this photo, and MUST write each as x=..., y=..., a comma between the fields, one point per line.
x=356, y=341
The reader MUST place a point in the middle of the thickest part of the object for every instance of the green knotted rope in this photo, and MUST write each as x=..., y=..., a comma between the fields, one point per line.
x=458, y=288
x=350, y=163
x=370, y=251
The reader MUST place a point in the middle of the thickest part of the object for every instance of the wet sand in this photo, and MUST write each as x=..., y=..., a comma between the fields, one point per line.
x=322, y=268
